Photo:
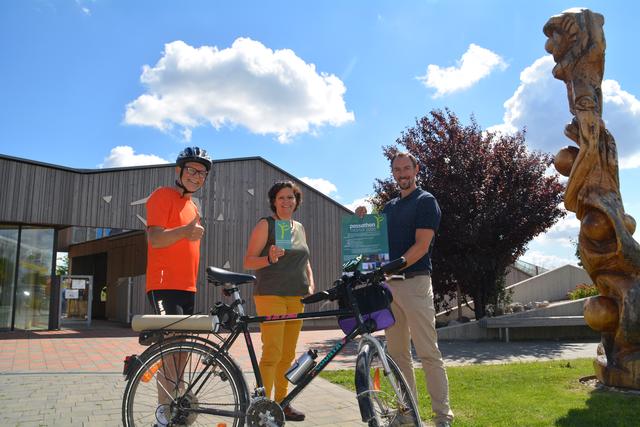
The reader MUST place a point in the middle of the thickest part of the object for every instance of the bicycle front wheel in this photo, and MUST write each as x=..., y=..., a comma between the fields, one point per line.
x=384, y=398
x=185, y=383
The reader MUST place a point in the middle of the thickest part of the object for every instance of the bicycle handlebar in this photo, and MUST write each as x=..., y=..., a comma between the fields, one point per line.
x=377, y=274
x=317, y=297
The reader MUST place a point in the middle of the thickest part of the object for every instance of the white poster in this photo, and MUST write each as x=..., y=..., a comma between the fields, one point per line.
x=78, y=284
x=71, y=294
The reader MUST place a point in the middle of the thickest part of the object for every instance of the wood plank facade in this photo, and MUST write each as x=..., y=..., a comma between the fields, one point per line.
x=234, y=198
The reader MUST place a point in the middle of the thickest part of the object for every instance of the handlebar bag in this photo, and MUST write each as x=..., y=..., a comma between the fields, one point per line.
x=374, y=303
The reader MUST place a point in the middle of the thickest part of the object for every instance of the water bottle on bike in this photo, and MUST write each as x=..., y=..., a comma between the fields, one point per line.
x=303, y=365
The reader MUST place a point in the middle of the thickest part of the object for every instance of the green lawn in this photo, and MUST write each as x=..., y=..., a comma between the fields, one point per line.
x=525, y=394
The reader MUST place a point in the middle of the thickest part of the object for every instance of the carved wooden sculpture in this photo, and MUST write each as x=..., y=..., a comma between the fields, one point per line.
x=608, y=251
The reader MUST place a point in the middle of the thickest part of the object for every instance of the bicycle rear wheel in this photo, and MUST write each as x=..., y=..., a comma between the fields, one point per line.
x=385, y=399
x=185, y=383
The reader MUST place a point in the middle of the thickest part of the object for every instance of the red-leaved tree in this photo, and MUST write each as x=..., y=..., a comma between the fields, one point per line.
x=494, y=196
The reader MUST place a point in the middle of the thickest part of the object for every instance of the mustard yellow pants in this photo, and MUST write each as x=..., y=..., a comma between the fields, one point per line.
x=278, y=341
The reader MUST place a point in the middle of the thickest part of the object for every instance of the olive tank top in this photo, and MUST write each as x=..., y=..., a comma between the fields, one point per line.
x=287, y=277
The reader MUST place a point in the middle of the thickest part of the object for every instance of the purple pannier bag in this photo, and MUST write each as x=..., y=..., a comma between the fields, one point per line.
x=374, y=303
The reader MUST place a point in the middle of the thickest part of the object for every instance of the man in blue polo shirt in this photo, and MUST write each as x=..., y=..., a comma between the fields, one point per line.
x=412, y=220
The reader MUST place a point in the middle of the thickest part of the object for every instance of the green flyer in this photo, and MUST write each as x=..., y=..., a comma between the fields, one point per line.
x=283, y=234
x=365, y=236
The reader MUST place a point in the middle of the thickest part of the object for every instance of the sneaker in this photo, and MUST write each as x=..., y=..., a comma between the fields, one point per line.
x=443, y=424
x=162, y=416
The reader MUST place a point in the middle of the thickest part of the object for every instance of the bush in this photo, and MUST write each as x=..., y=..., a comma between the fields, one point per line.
x=582, y=291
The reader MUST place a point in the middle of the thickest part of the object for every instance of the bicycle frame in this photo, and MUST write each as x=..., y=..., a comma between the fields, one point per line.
x=237, y=322
x=243, y=328
x=361, y=329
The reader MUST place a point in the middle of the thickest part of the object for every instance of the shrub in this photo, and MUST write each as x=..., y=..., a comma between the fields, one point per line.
x=582, y=291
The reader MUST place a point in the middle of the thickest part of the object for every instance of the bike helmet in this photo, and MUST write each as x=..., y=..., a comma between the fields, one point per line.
x=191, y=154
x=194, y=154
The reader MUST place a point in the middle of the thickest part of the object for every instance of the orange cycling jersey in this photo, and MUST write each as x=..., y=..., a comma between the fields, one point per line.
x=174, y=267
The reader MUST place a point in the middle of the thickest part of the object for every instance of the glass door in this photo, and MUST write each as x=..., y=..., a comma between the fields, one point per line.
x=76, y=294
x=33, y=293
x=8, y=260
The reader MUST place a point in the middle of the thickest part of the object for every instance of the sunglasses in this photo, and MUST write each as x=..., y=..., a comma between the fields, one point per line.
x=193, y=172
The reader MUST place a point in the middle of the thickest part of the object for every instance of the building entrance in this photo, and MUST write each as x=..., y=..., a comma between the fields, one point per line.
x=76, y=295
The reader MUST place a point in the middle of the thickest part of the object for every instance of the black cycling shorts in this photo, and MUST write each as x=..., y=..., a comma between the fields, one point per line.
x=172, y=301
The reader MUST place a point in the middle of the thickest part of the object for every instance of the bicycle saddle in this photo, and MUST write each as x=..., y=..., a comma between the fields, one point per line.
x=219, y=276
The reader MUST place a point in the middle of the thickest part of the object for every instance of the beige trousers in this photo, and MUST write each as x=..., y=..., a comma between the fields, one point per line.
x=416, y=321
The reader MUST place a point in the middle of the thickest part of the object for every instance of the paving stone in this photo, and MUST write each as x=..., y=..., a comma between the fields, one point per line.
x=59, y=378
x=73, y=408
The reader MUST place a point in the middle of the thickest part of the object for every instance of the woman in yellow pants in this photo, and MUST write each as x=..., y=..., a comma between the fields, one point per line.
x=283, y=277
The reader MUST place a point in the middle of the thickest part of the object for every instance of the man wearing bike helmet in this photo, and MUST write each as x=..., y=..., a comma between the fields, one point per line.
x=173, y=236
x=413, y=218
x=173, y=254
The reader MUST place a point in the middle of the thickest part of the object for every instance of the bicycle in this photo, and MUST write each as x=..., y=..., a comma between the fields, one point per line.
x=210, y=388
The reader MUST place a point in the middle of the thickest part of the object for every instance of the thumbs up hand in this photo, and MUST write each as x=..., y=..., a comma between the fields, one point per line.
x=193, y=230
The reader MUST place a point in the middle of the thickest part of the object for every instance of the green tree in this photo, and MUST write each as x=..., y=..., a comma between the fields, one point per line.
x=494, y=195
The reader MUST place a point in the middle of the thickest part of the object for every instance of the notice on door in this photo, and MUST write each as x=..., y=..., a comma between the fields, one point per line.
x=78, y=284
x=71, y=294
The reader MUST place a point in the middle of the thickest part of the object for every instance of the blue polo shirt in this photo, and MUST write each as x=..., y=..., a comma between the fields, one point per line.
x=404, y=215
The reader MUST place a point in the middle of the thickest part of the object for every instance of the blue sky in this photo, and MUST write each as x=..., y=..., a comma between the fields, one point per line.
x=317, y=88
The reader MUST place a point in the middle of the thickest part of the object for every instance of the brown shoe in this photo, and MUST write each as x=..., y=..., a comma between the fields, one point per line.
x=292, y=414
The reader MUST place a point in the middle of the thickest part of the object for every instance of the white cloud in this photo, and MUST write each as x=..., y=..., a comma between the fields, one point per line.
x=562, y=234
x=540, y=104
x=630, y=162
x=320, y=184
x=186, y=134
x=622, y=116
x=547, y=261
x=123, y=156
x=474, y=65
x=81, y=4
x=363, y=201
x=247, y=84
x=556, y=246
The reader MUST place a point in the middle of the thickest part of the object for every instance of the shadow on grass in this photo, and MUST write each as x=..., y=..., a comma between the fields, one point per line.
x=478, y=352
x=608, y=408
x=465, y=352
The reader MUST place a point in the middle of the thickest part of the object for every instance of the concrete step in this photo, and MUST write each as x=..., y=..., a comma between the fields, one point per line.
x=530, y=321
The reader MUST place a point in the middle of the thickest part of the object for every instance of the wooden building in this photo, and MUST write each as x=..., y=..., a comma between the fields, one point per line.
x=57, y=200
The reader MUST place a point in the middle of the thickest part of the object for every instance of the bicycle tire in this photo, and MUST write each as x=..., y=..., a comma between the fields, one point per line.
x=379, y=404
x=177, y=338
x=130, y=370
x=224, y=389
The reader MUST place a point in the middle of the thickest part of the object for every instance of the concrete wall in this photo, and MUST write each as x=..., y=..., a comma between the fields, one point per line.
x=473, y=331
x=559, y=308
x=513, y=275
x=549, y=286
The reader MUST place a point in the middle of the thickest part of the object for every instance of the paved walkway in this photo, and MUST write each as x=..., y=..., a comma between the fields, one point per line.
x=73, y=377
